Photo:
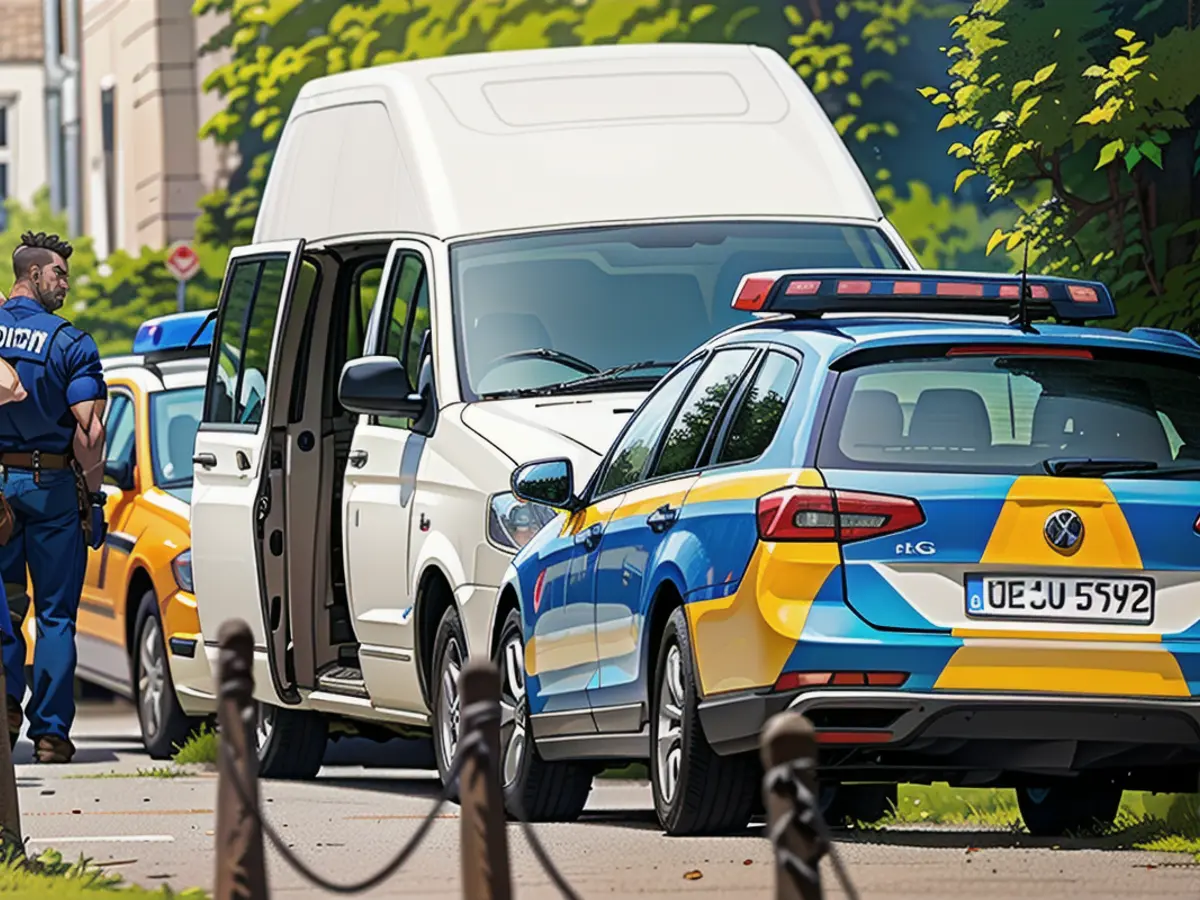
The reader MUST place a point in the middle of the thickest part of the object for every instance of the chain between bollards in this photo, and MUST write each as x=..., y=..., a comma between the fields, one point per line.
x=485, y=862
x=241, y=860
x=798, y=834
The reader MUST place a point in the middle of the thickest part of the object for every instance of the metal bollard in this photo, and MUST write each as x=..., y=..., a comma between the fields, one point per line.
x=241, y=861
x=485, y=866
x=10, y=809
x=790, y=795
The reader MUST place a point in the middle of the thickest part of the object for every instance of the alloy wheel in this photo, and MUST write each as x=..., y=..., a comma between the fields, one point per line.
x=669, y=749
x=151, y=678
x=513, y=710
x=452, y=663
x=264, y=725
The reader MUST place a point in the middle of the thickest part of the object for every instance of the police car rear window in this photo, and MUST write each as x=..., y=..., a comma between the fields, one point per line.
x=1002, y=413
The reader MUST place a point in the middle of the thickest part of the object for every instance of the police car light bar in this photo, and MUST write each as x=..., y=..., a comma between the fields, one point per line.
x=811, y=292
x=175, y=334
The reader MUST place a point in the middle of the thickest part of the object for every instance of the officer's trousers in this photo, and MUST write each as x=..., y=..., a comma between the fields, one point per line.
x=48, y=539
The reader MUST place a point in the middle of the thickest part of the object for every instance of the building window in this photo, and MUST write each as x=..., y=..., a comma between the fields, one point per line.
x=108, y=142
x=5, y=163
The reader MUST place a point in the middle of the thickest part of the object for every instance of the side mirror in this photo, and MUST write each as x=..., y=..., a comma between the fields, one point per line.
x=121, y=473
x=549, y=482
x=379, y=386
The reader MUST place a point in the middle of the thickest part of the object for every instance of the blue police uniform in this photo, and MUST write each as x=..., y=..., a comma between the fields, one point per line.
x=59, y=366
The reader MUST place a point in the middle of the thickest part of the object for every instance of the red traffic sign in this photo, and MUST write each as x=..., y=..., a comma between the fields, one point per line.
x=182, y=262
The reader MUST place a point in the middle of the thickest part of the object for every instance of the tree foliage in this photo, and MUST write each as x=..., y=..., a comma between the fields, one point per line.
x=850, y=53
x=1091, y=122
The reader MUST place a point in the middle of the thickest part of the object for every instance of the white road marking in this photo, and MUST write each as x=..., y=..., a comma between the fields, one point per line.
x=108, y=839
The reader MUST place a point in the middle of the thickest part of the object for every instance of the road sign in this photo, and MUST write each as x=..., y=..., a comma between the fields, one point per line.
x=182, y=262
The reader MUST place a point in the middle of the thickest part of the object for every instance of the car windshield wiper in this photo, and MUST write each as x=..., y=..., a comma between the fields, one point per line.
x=588, y=382
x=608, y=376
x=1086, y=465
x=1114, y=468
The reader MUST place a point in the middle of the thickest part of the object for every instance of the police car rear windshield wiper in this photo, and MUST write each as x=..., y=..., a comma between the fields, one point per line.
x=1114, y=468
x=587, y=382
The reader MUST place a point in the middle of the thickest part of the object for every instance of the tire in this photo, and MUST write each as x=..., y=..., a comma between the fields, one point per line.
x=1066, y=808
x=164, y=725
x=290, y=742
x=542, y=791
x=851, y=804
x=449, y=655
x=696, y=791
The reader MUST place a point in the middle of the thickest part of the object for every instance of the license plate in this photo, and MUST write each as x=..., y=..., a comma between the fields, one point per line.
x=1113, y=601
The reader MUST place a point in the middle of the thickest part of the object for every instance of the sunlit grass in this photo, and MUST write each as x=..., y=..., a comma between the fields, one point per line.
x=199, y=749
x=1164, y=822
x=48, y=876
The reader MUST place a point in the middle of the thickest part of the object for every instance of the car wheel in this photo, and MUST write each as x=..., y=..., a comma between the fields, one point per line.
x=449, y=655
x=543, y=791
x=1063, y=808
x=164, y=725
x=850, y=804
x=696, y=791
x=290, y=742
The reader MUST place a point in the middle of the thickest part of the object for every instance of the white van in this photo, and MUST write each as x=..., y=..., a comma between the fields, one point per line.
x=460, y=265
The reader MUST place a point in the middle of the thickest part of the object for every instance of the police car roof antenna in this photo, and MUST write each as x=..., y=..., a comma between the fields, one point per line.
x=212, y=315
x=1023, y=316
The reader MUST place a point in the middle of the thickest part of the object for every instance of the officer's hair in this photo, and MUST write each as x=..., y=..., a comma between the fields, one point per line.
x=38, y=250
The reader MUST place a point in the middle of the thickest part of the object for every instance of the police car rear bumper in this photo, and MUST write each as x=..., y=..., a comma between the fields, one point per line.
x=190, y=672
x=911, y=721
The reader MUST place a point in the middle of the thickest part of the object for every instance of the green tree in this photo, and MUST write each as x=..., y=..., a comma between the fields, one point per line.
x=1091, y=123
x=125, y=290
x=40, y=217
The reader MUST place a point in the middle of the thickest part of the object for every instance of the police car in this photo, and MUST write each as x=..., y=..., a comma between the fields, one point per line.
x=963, y=542
x=138, y=628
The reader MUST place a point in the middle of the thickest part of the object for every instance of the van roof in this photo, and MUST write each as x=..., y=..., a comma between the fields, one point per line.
x=516, y=140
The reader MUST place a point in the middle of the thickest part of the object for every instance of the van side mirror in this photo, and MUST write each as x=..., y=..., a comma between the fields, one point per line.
x=121, y=473
x=378, y=386
x=549, y=482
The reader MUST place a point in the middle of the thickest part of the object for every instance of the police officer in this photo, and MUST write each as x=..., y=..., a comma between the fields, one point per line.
x=48, y=440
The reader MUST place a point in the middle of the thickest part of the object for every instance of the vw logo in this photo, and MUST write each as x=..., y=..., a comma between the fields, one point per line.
x=1064, y=531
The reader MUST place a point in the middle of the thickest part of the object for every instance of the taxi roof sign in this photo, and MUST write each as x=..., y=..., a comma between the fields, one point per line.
x=179, y=333
x=811, y=292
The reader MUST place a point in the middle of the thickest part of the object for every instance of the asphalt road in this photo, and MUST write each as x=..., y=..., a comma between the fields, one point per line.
x=352, y=819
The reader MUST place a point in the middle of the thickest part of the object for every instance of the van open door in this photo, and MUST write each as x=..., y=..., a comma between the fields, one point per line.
x=238, y=477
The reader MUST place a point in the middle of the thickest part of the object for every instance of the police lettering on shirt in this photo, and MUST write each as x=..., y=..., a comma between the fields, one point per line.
x=32, y=340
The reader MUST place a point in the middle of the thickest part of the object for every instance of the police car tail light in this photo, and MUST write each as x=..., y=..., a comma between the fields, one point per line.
x=821, y=514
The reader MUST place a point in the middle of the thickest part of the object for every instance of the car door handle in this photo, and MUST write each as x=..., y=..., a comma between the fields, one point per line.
x=208, y=460
x=243, y=461
x=358, y=458
x=662, y=518
x=590, y=538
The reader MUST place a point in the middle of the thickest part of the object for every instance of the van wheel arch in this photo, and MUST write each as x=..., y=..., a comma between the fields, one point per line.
x=434, y=597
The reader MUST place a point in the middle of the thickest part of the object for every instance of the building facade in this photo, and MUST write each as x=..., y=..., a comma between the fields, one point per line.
x=144, y=170
x=23, y=166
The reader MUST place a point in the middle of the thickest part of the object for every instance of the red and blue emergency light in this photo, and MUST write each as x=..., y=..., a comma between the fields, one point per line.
x=812, y=292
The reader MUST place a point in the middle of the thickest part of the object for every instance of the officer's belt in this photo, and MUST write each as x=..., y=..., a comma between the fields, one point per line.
x=36, y=460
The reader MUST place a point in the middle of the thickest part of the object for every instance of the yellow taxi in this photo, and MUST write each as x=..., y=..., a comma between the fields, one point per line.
x=138, y=631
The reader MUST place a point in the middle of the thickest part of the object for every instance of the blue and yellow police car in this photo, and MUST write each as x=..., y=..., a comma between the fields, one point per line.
x=962, y=540
x=138, y=630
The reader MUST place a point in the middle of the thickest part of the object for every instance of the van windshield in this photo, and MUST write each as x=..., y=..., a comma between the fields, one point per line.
x=537, y=312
